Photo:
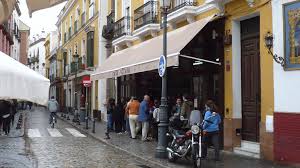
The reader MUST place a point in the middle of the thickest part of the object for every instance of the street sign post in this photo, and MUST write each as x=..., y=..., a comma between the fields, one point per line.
x=162, y=66
x=87, y=83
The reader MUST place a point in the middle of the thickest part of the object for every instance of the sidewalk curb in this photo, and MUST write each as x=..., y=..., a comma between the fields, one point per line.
x=111, y=145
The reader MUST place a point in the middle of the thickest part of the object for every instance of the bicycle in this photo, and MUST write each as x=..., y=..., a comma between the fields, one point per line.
x=53, y=120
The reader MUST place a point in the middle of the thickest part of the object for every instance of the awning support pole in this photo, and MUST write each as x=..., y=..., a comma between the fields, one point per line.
x=199, y=59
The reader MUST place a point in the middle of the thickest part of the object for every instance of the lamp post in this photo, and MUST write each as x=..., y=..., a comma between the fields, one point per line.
x=76, y=56
x=163, y=114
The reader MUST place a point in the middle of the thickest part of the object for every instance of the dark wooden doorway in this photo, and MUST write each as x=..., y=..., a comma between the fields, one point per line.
x=250, y=66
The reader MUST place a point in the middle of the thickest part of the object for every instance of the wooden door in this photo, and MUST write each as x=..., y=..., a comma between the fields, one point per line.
x=250, y=79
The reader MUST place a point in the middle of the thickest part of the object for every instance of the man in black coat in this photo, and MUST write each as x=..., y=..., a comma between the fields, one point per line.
x=5, y=112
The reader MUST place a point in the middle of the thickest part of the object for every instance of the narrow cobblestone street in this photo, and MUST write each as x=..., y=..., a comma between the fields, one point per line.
x=66, y=146
x=63, y=146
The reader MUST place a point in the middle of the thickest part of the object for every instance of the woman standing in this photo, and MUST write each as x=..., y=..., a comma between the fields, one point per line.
x=211, y=128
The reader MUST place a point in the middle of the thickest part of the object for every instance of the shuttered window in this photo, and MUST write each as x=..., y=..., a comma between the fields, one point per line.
x=90, y=49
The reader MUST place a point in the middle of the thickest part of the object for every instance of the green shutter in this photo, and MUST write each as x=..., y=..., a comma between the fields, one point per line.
x=90, y=49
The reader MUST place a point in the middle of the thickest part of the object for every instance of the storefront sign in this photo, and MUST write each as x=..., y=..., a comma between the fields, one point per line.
x=292, y=35
x=162, y=66
x=121, y=72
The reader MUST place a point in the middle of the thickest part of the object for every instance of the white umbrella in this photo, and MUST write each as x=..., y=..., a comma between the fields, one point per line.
x=17, y=81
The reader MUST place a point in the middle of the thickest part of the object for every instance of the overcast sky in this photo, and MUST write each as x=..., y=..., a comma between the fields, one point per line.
x=43, y=19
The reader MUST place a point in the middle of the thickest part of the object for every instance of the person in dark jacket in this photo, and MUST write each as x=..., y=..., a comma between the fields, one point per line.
x=5, y=111
x=119, y=117
x=144, y=116
x=111, y=107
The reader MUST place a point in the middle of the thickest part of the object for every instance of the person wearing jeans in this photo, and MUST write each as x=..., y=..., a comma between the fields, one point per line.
x=110, y=109
x=133, y=111
x=211, y=129
x=144, y=116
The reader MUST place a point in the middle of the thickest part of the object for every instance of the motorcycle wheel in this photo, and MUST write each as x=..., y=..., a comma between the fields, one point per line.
x=171, y=157
x=196, y=159
x=52, y=125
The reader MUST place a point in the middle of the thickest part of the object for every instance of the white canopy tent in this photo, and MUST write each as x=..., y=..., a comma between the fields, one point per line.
x=17, y=81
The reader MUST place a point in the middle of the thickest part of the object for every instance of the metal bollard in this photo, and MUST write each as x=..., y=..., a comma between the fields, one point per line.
x=86, y=123
x=94, y=124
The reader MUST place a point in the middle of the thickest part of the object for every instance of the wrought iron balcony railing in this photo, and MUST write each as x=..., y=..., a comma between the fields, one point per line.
x=122, y=27
x=146, y=14
x=73, y=67
x=178, y=4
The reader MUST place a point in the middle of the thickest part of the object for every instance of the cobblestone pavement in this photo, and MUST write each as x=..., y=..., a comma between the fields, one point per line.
x=66, y=147
x=61, y=147
x=146, y=151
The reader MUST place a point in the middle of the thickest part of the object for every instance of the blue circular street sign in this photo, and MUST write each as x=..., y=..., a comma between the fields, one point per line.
x=162, y=66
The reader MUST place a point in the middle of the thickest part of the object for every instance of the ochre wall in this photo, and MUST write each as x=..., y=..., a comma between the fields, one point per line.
x=237, y=10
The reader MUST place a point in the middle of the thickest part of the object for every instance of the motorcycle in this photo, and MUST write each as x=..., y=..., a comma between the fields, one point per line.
x=196, y=145
x=184, y=144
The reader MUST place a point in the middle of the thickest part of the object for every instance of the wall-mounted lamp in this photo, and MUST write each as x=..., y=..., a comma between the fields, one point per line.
x=269, y=44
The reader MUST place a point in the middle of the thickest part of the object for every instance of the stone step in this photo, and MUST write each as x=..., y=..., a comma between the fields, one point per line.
x=247, y=152
x=251, y=146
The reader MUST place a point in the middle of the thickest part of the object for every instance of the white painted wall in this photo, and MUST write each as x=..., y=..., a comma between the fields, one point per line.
x=286, y=83
x=15, y=48
x=103, y=11
x=33, y=49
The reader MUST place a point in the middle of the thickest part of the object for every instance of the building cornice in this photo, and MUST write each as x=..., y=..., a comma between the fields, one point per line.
x=67, y=9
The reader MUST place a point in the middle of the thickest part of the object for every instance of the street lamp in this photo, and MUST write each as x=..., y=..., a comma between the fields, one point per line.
x=269, y=44
x=76, y=56
x=163, y=114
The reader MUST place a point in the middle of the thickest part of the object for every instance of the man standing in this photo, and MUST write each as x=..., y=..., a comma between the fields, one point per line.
x=186, y=109
x=52, y=107
x=144, y=116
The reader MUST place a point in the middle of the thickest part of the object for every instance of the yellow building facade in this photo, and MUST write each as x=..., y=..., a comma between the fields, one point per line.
x=226, y=60
x=47, y=55
x=78, y=27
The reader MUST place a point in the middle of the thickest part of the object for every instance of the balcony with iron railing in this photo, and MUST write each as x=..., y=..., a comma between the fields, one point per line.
x=178, y=4
x=83, y=19
x=73, y=67
x=122, y=27
x=81, y=64
x=146, y=14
